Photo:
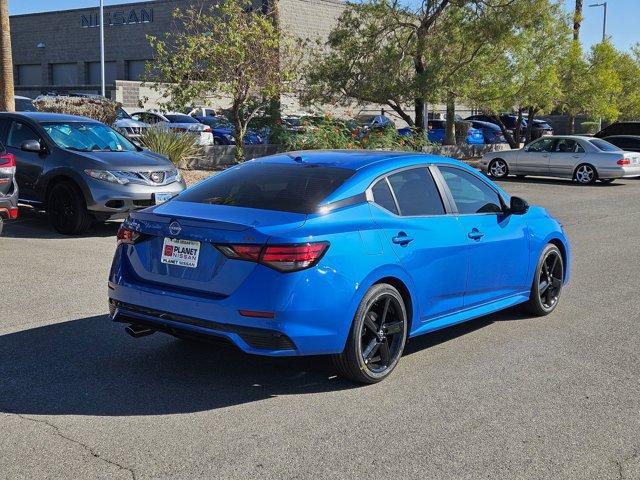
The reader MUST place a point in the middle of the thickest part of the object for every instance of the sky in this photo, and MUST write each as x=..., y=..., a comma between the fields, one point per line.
x=622, y=17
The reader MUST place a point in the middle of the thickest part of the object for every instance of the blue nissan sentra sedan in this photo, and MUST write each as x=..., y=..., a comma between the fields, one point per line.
x=343, y=253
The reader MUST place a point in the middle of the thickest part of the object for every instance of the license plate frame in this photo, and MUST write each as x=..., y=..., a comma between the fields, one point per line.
x=161, y=197
x=180, y=252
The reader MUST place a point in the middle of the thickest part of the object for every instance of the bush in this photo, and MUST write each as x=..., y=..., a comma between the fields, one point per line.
x=179, y=147
x=336, y=135
x=590, y=127
x=101, y=109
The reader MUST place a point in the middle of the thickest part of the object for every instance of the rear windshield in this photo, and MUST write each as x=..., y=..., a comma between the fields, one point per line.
x=604, y=145
x=295, y=188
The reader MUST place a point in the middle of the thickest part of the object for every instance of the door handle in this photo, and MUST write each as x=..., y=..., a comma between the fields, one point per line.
x=402, y=239
x=475, y=234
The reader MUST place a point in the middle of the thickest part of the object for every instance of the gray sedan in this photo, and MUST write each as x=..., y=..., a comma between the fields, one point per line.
x=583, y=159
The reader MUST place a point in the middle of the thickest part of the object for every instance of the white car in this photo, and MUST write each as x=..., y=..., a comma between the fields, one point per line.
x=583, y=159
x=179, y=122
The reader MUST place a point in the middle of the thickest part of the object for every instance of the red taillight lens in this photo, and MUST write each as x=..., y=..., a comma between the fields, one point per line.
x=7, y=164
x=285, y=258
x=126, y=235
x=207, y=129
x=13, y=213
x=624, y=161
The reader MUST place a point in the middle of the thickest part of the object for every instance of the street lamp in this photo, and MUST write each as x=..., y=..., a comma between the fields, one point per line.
x=604, y=20
x=102, y=82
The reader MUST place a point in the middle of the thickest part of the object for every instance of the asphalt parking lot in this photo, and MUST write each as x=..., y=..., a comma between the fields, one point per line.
x=505, y=396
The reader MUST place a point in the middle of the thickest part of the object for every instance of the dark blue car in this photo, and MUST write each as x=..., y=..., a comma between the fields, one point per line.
x=223, y=131
x=437, y=129
x=343, y=253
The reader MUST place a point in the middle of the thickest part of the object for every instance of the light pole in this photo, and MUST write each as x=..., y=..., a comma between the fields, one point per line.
x=102, y=82
x=604, y=20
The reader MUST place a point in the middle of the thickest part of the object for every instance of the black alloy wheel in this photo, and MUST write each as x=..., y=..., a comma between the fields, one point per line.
x=67, y=209
x=547, y=284
x=377, y=338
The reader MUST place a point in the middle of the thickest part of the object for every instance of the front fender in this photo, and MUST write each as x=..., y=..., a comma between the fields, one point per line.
x=57, y=173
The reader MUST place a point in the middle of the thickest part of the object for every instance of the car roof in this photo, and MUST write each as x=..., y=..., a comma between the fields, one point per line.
x=357, y=159
x=50, y=117
x=634, y=137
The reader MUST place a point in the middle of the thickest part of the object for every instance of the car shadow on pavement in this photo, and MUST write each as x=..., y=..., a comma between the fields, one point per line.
x=90, y=366
x=33, y=223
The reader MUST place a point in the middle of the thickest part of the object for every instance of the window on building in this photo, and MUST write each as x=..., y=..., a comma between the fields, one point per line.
x=29, y=75
x=136, y=69
x=93, y=73
x=64, y=73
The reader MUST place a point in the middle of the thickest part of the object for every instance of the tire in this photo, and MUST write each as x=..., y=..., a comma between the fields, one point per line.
x=67, y=209
x=607, y=180
x=547, y=282
x=376, y=339
x=498, y=168
x=585, y=174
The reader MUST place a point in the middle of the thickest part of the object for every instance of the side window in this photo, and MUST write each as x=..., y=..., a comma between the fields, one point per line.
x=471, y=194
x=19, y=133
x=382, y=196
x=416, y=192
x=567, y=145
x=542, y=145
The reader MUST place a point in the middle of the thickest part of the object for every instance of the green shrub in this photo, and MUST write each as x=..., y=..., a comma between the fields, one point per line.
x=101, y=109
x=179, y=147
x=590, y=127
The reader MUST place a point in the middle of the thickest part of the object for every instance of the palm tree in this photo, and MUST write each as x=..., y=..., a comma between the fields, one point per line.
x=577, y=20
x=7, y=101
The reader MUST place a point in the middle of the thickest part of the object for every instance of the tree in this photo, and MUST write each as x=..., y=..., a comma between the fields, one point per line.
x=577, y=20
x=606, y=85
x=628, y=66
x=7, y=100
x=575, y=84
x=228, y=49
x=380, y=53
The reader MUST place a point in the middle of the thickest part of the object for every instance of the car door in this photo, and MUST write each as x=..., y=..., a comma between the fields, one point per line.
x=29, y=165
x=535, y=157
x=498, y=243
x=566, y=156
x=429, y=244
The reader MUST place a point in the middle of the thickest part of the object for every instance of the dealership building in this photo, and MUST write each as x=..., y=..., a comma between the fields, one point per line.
x=60, y=51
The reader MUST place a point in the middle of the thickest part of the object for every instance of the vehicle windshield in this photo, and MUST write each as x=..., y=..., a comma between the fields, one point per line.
x=180, y=118
x=294, y=188
x=87, y=137
x=604, y=145
x=121, y=114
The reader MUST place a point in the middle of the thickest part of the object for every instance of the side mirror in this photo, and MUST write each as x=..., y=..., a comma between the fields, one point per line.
x=31, y=146
x=518, y=206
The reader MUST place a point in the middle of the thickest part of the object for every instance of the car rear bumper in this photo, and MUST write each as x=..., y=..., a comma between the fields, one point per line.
x=9, y=202
x=301, y=322
x=619, y=172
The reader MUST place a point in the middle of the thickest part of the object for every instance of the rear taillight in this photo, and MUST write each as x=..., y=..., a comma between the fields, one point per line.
x=207, y=130
x=284, y=258
x=624, y=161
x=126, y=235
x=13, y=212
x=7, y=164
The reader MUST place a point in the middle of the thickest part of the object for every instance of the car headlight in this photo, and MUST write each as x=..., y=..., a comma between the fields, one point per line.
x=173, y=176
x=107, y=176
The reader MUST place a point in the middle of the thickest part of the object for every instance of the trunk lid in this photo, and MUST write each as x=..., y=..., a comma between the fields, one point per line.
x=214, y=274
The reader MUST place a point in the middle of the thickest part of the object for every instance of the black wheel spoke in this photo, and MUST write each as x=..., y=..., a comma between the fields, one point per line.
x=370, y=323
x=393, y=328
x=385, y=354
x=553, y=265
x=371, y=349
x=556, y=282
x=385, y=311
x=544, y=285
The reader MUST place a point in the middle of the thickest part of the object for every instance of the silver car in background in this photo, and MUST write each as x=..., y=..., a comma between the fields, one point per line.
x=583, y=159
x=179, y=122
x=127, y=126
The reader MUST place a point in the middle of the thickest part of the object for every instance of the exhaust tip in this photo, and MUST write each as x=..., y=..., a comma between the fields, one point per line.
x=137, y=331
